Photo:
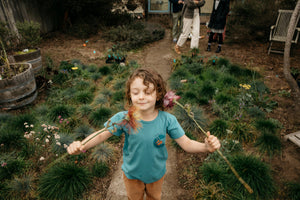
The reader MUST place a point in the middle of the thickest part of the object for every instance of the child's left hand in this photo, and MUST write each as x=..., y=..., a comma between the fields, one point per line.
x=212, y=143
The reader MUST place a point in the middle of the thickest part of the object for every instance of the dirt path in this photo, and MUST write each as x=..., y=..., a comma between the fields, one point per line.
x=159, y=56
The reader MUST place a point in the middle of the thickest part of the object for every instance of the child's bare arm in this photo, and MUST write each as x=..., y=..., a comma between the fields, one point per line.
x=77, y=147
x=211, y=144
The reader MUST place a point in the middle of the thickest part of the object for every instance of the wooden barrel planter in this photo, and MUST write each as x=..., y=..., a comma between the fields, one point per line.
x=34, y=58
x=19, y=90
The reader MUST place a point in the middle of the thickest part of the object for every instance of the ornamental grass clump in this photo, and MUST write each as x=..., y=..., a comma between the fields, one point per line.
x=84, y=97
x=59, y=146
x=242, y=131
x=83, y=131
x=99, y=116
x=11, y=166
x=101, y=99
x=267, y=126
x=118, y=96
x=62, y=110
x=84, y=110
x=82, y=85
x=103, y=152
x=100, y=169
x=105, y=70
x=21, y=187
x=212, y=191
x=207, y=89
x=269, y=144
x=293, y=190
x=219, y=128
x=63, y=182
x=256, y=173
x=213, y=172
x=10, y=138
x=17, y=123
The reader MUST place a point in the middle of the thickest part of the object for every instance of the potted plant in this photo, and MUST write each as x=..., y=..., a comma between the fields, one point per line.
x=17, y=83
x=29, y=39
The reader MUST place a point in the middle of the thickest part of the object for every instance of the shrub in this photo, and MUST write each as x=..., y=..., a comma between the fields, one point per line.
x=99, y=116
x=30, y=34
x=254, y=172
x=100, y=169
x=103, y=152
x=64, y=182
x=242, y=25
x=219, y=128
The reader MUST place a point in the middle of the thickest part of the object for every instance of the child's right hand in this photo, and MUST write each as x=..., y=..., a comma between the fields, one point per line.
x=75, y=148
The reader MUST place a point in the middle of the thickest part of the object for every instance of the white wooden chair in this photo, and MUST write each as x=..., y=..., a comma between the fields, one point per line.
x=278, y=31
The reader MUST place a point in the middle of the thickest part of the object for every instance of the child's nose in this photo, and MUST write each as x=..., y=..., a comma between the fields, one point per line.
x=141, y=95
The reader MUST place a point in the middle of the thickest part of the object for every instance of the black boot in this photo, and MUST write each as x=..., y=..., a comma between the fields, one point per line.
x=218, y=49
x=208, y=48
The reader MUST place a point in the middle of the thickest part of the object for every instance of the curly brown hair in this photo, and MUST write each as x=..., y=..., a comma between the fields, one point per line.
x=149, y=76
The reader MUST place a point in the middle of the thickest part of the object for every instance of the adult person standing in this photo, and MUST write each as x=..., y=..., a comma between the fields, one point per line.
x=191, y=18
x=177, y=18
x=217, y=22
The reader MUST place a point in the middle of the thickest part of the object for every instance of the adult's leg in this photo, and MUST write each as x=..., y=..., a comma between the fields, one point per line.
x=153, y=190
x=186, y=29
x=175, y=20
x=195, y=30
x=135, y=188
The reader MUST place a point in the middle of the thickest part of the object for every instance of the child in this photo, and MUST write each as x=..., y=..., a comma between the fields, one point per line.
x=144, y=151
x=217, y=22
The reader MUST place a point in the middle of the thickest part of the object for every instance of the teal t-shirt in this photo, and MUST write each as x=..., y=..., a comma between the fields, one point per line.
x=144, y=151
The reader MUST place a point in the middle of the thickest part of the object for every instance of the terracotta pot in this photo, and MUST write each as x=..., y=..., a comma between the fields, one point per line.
x=19, y=90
